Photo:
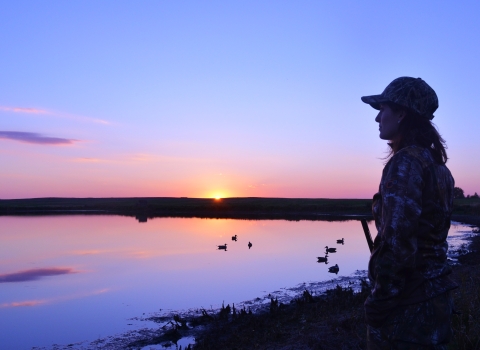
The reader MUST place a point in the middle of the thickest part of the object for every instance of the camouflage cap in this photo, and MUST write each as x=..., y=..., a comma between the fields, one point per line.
x=413, y=93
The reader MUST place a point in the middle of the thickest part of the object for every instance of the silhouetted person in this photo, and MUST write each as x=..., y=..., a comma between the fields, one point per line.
x=410, y=306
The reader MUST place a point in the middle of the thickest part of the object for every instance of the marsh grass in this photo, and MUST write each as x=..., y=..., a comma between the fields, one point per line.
x=466, y=321
x=336, y=321
x=330, y=321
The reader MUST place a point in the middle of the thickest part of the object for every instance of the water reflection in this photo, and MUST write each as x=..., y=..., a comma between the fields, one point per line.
x=85, y=277
x=34, y=274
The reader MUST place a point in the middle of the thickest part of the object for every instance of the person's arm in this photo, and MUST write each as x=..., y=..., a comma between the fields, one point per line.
x=394, y=259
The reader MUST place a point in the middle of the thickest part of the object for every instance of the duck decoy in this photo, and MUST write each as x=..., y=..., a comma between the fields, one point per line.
x=334, y=269
x=234, y=238
x=322, y=259
x=340, y=241
x=223, y=247
x=249, y=245
x=331, y=250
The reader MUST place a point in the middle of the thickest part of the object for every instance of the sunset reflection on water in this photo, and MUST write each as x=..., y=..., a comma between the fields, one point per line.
x=76, y=278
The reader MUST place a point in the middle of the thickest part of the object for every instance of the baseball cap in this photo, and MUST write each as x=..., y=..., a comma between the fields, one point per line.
x=412, y=93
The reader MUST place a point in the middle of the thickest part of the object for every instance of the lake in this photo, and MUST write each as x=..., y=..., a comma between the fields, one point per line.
x=73, y=279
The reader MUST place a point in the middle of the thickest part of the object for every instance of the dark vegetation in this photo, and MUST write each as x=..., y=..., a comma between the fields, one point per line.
x=335, y=320
x=145, y=208
x=459, y=193
x=330, y=321
x=235, y=208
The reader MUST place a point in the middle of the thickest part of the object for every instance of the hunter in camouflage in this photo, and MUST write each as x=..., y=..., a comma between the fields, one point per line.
x=410, y=304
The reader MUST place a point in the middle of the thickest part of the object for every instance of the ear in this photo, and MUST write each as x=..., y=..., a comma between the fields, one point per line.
x=401, y=115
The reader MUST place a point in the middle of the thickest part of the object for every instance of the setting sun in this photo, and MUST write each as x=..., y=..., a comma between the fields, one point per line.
x=217, y=195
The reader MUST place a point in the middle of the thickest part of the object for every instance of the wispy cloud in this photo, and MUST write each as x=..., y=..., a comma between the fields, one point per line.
x=32, y=137
x=23, y=110
x=89, y=160
x=90, y=252
x=139, y=158
x=29, y=110
x=35, y=274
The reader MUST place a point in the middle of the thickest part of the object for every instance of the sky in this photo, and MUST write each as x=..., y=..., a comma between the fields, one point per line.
x=223, y=98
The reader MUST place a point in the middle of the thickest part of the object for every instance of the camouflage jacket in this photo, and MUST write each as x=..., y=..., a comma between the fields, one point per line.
x=412, y=214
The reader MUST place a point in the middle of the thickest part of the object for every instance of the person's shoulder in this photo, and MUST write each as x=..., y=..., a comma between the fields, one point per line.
x=414, y=154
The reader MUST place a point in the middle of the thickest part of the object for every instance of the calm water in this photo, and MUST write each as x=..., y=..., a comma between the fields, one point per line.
x=70, y=279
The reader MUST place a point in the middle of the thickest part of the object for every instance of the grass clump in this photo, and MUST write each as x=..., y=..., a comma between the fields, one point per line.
x=330, y=321
x=336, y=319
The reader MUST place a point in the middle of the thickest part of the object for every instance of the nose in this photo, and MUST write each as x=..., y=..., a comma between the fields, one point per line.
x=377, y=118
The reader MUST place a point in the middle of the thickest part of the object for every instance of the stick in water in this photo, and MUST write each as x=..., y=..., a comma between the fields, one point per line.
x=368, y=236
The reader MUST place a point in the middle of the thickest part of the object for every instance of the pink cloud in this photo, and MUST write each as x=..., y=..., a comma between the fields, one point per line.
x=32, y=137
x=23, y=110
x=29, y=110
x=88, y=160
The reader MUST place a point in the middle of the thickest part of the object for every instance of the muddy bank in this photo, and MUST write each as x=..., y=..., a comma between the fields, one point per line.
x=335, y=320
x=332, y=320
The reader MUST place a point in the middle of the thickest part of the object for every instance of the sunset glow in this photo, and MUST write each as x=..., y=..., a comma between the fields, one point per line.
x=212, y=102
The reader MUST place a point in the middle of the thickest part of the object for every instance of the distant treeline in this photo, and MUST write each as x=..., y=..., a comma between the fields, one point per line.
x=143, y=208
x=241, y=208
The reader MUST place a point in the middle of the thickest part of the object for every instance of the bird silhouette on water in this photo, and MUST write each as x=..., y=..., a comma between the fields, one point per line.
x=340, y=241
x=249, y=245
x=334, y=269
x=223, y=247
x=234, y=238
x=330, y=250
x=323, y=259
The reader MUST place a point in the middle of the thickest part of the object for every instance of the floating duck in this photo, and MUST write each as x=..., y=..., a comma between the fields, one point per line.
x=249, y=245
x=334, y=269
x=331, y=250
x=222, y=247
x=234, y=238
x=340, y=241
x=322, y=259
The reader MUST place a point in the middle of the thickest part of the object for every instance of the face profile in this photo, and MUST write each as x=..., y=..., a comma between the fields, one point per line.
x=388, y=122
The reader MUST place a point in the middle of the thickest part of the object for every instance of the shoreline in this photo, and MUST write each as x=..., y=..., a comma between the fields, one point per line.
x=332, y=316
x=337, y=317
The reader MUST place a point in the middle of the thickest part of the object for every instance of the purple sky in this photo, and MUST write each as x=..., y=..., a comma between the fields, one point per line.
x=205, y=99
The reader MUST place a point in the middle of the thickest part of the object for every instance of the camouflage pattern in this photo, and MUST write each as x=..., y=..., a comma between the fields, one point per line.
x=412, y=210
x=413, y=93
x=414, y=327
